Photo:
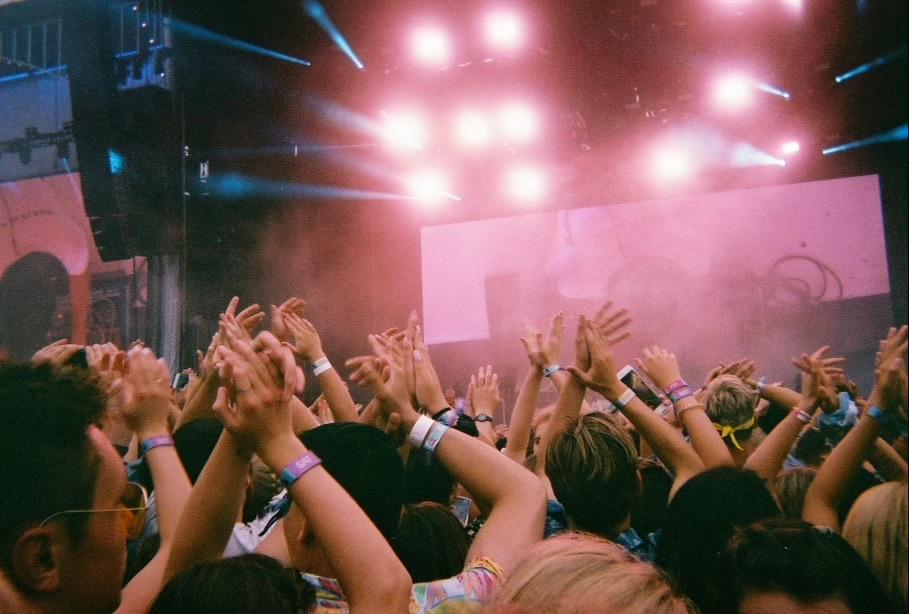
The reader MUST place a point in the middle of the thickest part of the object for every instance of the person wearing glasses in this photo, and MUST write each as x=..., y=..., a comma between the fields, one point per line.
x=66, y=508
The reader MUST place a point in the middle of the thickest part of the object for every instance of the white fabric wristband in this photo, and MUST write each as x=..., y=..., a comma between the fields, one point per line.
x=320, y=366
x=550, y=370
x=623, y=401
x=420, y=430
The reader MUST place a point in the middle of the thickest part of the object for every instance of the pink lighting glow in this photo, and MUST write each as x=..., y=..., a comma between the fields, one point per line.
x=734, y=92
x=519, y=123
x=431, y=46
x=671, y=165
x=525, y=184
x=472, y=129
x=429, y=186
x=504, y=30
x=404, y=130
x=790, y=148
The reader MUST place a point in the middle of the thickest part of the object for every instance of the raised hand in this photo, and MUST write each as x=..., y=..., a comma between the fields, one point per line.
x=56, y=353
x=303, y=337
x=817, y=386
x=292, y=305
x=253, y=400
x=484, y=394
x=600, y=374
x=427, y=387
x=895, y=344
x=544, y=352
x=892, y=385
x=613, y=326
x=660, y=366
x=145, y=394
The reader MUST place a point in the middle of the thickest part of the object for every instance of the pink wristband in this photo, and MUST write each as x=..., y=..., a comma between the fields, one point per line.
x=298, y=468
x=679, y=383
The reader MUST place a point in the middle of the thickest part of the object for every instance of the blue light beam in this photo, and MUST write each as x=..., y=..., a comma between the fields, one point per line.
x=235, y=186
x=199, y=33
x=897, y=134
x=876, y=63
x=770, y=89
x=320, y=16
x=744, y=155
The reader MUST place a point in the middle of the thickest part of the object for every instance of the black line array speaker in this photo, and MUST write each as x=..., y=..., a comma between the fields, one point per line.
x=127, y=142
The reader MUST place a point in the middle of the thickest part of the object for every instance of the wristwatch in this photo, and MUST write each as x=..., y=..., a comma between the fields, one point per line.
x=482, y=418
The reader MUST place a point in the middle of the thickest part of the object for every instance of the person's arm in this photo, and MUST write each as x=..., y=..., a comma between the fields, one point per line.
x=147, y=405
x=308, y=347
x=485, y=398
x=516, y=496
x=817, y=389
x=522, y=416
x=888, y=462
x=667, y=443
x=355, y=548
x=663, y=368
x=833, y=478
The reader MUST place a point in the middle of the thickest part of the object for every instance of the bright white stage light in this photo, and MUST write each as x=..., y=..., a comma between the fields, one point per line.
x=504, y=30
x=429, y=186
x=519, y=123
x=671, y=165
x=790, y=148
x=525, y=184
x=734, y=92
x=404, y=130
x=431, y=46
x=472, y=129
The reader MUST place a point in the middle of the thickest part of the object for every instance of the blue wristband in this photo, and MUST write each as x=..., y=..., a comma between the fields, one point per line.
x=155, y=442
x=877, y=413
x=298, y=468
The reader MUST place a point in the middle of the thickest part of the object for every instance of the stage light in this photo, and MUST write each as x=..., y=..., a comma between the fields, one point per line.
x=504, y=30
x=519, y=123
x=525, y=184
x=431, y=46
x=429, y=186
x=790, y=148
x=671, y=165
x=733, y=92
x=404, y=130
x=472, y=129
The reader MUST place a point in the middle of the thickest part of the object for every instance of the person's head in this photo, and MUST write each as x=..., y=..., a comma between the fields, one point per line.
x=365, y=462
x=812, y=448
x=592, y=466
x=246, y=584
x=700, y=519
x=789, y=488
x=790, y=566
x=877, y=528
x=431, y=542
x=730, y=405
x=586, y=574
x=650, y=505
x=53, y=462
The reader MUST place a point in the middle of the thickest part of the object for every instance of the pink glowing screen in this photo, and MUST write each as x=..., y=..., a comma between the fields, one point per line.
x=676, y=263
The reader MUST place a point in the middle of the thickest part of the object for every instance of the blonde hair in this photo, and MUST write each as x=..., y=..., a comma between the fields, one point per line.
x=789, y=488
x=592, y=466
x=731, y=403
x=877, y=528
x=581, y=573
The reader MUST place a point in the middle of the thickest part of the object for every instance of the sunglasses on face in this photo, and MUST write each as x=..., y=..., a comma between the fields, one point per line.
x=132, y=511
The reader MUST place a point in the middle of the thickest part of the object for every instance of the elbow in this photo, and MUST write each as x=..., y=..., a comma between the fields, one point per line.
x=387, y=592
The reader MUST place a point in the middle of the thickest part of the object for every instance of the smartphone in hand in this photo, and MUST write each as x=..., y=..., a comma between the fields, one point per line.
x=642, y=389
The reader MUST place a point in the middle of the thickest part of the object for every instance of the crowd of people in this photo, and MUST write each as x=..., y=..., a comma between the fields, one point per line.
x=126, y=489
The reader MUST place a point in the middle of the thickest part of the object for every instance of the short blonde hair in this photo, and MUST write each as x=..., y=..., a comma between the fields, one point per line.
x=877, y=528
x=789, y=488
x=581, y=573
x=731, y=402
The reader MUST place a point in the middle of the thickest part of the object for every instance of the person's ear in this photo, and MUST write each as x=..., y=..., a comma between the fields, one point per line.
x=36, y=558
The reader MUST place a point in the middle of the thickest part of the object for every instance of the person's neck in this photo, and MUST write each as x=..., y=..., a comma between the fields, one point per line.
x=13, y=602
